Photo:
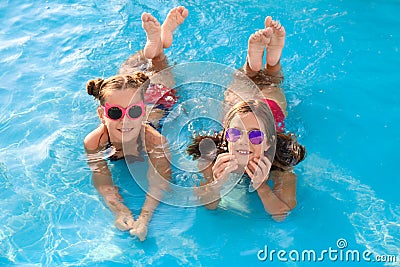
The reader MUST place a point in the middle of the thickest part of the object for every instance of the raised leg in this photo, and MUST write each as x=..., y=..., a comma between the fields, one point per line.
x=275, y=46
x=255, y=52
x=175, y=17
x=154, y=47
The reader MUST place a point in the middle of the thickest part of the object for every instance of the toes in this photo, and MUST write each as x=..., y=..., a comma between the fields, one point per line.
x=254, y=37
x=145, y=17
x=261, y=35
x=180, y=13
x=180, y=9
x=277, y=26
x=268, y=32
x=184, y=12
x=268, y=21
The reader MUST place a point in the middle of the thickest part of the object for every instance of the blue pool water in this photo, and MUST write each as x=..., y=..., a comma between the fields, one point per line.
x=341, y=64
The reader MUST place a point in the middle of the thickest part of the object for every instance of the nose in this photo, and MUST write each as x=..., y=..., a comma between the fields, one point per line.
x=243, y=139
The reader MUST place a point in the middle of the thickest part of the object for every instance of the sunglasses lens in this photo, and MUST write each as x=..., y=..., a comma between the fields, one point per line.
x=256, y=137
x=233, y=134
x=135, y=112
x=114, y=113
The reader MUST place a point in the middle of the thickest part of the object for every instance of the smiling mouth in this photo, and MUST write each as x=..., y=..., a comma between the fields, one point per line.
x=125, y=130
x=244, y=152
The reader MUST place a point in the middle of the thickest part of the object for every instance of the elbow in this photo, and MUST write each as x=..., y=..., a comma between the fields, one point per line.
x=212, y=205
x=291, y=204
x=281, y=213
x=284, y=211
x=280, y=217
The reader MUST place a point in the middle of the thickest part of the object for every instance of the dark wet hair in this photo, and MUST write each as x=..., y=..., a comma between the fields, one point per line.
x=207, y=146
x=100, y=88
x=289, y=152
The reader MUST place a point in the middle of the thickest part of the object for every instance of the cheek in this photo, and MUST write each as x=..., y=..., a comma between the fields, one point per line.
x=110, y=123
x=112, y=127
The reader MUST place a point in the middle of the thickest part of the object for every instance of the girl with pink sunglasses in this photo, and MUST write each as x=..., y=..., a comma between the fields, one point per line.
x=124, y=131
x=251, y=134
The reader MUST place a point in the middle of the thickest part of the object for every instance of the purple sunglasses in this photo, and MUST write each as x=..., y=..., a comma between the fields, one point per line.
x=256, y=137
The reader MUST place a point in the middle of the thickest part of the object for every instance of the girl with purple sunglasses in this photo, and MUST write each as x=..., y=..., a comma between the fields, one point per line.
x=251, y=134
x=123, y=131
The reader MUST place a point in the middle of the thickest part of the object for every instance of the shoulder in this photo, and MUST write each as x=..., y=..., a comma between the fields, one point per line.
x=153, y=138
x=93, y=140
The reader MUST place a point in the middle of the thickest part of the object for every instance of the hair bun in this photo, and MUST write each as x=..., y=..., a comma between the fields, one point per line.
x=139, y=77
x=93, y=87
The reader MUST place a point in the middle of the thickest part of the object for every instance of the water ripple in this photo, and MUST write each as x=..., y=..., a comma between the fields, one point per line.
x=376, y=222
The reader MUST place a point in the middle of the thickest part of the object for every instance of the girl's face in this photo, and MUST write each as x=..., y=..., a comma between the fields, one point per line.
x=125, y=126
x=243, y=149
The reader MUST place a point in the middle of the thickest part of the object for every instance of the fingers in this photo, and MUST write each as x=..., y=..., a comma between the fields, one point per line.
x=258, y=169
x=223, y=158
x=140, y=230
x=225, y=164
x=250, y=172
x=124, y=222
x=224, y=169
x=267, y=162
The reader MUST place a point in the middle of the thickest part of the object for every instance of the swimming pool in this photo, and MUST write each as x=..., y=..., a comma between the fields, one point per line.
x=341, y=64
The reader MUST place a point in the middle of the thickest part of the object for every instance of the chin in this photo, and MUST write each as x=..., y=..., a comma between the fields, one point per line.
x=127, y=138
x=242, y=163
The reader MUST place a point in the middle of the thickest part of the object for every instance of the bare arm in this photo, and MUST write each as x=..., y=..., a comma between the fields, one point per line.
x=216, y=175
x=208, y=196
x=158, y=176
x=285, y=186
x=273, y=200
x=272, y=204
x=102, y=181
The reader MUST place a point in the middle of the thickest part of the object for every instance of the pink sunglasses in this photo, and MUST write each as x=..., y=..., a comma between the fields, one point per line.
x=116, y=112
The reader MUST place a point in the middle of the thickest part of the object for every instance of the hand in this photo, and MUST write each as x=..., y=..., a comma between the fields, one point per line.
x=124, y=221
x=139, y=229
x=224, y=165
x=258, y=171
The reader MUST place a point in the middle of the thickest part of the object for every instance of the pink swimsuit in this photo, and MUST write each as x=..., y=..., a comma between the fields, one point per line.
x=161, y=95
x=279, y=117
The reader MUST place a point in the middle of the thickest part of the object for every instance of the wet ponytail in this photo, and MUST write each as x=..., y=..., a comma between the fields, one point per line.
x=288, y=151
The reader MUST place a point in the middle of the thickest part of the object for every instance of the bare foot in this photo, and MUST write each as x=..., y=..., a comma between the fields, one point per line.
x=256, y=46
x=154, y=47
x=175, y=17
x=274, y=48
